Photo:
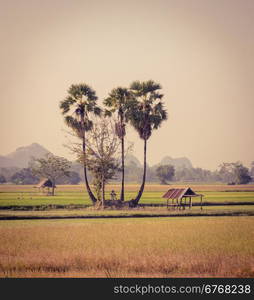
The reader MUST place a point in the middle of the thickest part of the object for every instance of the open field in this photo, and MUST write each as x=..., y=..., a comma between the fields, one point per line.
x=158, y=247
x=79, y=241
x=13, y=195
x=134, y=187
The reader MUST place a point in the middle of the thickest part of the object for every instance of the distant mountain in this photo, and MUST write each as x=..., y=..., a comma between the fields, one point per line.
x=178, y=163
x=6, y=162
x=22, y=155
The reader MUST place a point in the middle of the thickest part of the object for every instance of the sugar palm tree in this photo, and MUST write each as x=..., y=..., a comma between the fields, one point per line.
x=77, y=108
x=119, y=101
x=148, y=114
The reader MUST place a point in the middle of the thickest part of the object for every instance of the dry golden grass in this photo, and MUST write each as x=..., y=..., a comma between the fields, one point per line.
x=179, y=247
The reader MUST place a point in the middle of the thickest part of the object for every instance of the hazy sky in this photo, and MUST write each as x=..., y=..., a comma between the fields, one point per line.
x=201, y=51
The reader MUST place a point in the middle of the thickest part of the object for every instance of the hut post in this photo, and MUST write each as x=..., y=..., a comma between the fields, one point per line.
x=181, y=204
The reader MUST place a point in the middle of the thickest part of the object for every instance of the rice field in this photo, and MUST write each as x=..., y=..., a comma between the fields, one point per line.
x=167, y=247
x=140, y=242
x=14, y=195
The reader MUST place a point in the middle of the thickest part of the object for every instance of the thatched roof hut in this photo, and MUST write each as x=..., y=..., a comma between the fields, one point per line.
x=181, y=195
x=45, y=183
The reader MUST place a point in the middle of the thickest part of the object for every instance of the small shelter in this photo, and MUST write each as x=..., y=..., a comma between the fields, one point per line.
x=45, y=185
x=180, y=198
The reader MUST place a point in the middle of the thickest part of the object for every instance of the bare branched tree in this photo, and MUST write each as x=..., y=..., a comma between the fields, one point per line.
x=102, y=157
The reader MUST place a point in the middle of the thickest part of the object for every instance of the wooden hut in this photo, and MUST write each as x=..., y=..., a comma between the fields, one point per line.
x=181, y=198
x=46, y=186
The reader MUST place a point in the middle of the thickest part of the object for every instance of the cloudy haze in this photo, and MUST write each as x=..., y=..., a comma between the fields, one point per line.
x=201, y=51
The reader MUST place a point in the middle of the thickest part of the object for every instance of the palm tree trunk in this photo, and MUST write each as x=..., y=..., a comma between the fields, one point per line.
x=135, y=202
x=103, y=192
x=90, y=193
x=122, y=190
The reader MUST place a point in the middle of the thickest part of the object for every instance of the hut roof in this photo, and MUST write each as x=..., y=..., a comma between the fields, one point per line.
x=179, y=193
x=45, y=183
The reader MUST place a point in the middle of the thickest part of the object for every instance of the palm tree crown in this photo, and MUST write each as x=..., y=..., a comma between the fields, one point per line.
x=81, y=101
x=149, y=110
x=120, y=101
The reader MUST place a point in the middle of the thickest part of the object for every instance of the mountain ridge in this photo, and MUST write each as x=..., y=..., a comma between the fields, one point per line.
x=21, y=156
x=178, y=162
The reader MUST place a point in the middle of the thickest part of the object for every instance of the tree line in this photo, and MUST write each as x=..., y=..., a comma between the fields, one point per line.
x=236, y=173
x=164, y=174
x=25, y=176
x=229, y=173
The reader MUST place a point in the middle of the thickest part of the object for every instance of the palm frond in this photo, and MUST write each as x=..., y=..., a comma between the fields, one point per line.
x=79, y=90
x=108, y=113
x=74, y=125
x=66, y=104
x=97, y=110
x=88, y=125
x=136, y=85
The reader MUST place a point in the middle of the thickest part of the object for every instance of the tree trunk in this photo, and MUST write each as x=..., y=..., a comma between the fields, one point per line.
x=103, y=193
x=122, y=190
x=90, y=193
x=135, y=202
x=53, y=187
